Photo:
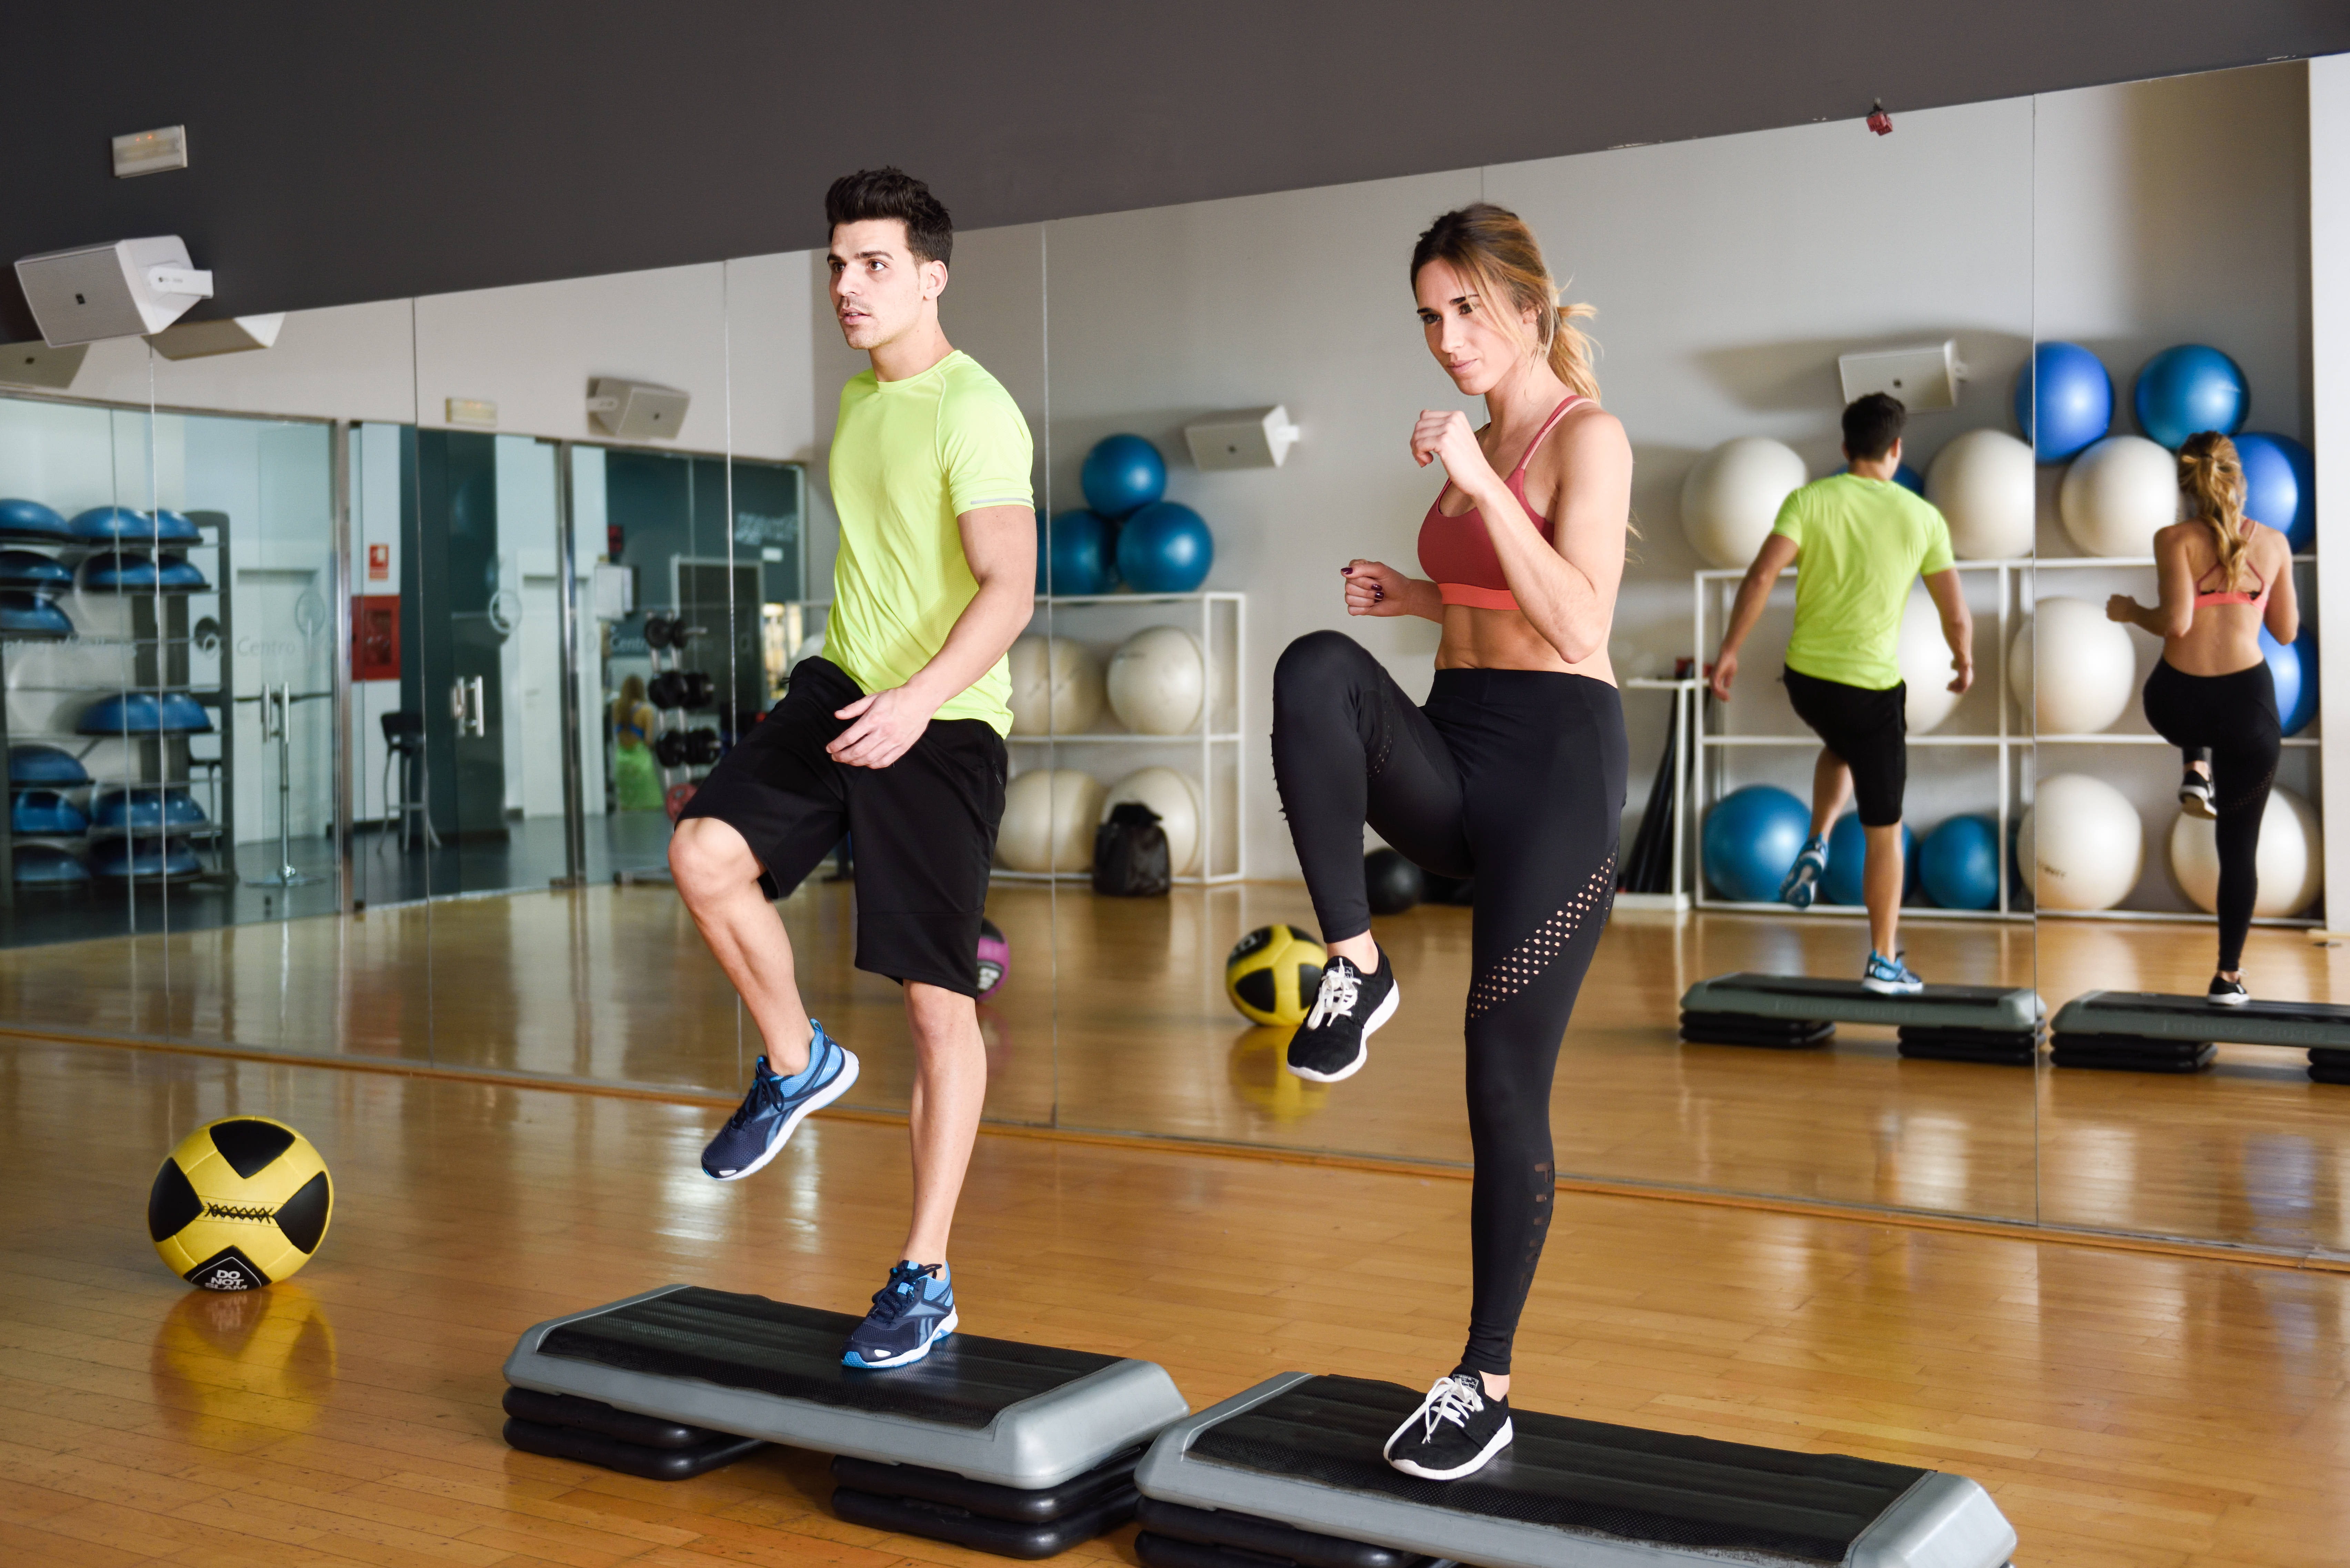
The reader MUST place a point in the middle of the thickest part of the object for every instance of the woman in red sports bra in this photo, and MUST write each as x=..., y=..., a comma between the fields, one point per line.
x=1512, y=773
x=2223, y=577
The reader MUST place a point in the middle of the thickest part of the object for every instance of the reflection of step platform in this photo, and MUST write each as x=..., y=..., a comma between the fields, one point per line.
x=1017, y=1448
x=1303, y=1453
x=2152, y=1032
x=1793, y=1011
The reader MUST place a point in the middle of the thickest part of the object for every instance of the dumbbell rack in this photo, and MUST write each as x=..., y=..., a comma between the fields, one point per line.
x=665, y=641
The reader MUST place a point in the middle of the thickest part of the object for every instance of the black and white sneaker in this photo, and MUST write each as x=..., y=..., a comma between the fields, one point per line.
x=2195, y=796
x=1332, y=1043
x=1456, y=1431
x=2228, y=993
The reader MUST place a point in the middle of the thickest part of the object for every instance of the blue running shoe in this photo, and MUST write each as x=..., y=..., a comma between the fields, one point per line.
x=1890, y=977
x=911, y=1313
x=1802, y=883
x=757, y=1131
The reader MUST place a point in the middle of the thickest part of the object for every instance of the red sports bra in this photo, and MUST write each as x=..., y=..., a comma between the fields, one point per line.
x=1458, y=553
x=2216, y=597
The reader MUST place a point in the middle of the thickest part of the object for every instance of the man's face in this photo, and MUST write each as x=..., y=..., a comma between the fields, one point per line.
x=879, y=288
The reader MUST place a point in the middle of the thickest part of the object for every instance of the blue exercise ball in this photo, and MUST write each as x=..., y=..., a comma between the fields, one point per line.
x=1959, y=863
x=1123, y=473
x=2063, y=401
x=1848, y=862
x=2292, y=669
x=1165, y=548
x=1752, y=837
x=2279, y=486
x=40, y=864
x=2188, y=388
x=38, y=811
x=1906, y=477
x=31, y=519
x=45, y=765
x=1081, y=556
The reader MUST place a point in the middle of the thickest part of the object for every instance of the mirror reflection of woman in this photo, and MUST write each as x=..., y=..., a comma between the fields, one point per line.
x=2223, y=577
x=636, y=777
x=1512, y=771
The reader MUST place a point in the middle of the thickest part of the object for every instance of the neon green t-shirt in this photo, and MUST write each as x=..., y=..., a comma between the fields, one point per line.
x=908, y=458
x=1859, y=544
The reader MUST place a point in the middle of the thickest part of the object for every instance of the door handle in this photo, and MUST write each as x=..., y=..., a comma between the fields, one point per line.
x=467, y=707
x=457, y=702
x=481, y=708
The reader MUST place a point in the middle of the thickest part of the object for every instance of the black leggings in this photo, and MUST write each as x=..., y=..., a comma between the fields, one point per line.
x=1513, y=776
x=2236, y=717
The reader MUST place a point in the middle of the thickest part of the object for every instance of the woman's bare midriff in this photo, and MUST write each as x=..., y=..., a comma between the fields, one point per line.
x=2223, y=638
x=1505, y=640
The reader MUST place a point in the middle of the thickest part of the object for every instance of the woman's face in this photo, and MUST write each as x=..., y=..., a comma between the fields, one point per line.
x=1474, y=349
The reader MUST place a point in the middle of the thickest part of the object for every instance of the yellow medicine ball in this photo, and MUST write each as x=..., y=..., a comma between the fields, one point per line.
x=1272, y=974
x=241, y=1202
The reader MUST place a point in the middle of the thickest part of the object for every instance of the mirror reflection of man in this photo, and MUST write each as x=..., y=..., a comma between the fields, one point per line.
x=1857, y=539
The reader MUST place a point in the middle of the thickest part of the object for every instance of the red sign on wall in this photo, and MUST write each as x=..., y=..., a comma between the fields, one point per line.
x=379, y=563
x=375, y=632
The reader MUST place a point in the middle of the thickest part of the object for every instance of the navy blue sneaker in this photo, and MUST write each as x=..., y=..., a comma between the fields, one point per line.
x=756, y=1132
x=1802, y=883
x=1889, y=976
x=911, y=1313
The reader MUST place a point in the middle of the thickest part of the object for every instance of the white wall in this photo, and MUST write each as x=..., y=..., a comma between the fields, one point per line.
x=2329, y=425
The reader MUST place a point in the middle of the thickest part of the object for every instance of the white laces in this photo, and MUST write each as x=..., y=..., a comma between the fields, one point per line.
x=1340, y=986
x=1455, y=1399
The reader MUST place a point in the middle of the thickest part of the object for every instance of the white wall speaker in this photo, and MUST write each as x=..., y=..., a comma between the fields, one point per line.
x=1253, y=438
x=125, y=289
x=36, y=364
x=635, y=411
x=1924, y=379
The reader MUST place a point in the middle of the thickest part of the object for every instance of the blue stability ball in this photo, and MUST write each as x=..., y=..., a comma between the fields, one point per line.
x=31, y=519
x=1165, y=548
x=1752, y=837
x=2292, y=669
x=1123, y=473
x=2188, y=388
x=1906, y=477
x=2279, y=486
x=1848, y=859
x=1959, y=863
x=1080, y=556
x=2063, y=401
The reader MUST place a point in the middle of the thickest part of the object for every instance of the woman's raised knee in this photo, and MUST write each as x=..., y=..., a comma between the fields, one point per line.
x=1320, y=661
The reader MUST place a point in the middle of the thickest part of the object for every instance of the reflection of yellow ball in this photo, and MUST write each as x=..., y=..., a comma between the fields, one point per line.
x=251, y=1355
x=243, y=1201
x=1272, y=974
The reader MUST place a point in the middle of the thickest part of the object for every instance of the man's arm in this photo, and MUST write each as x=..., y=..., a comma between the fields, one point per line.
x=1958, y=624
x=1000, y=543
x=1777, y=554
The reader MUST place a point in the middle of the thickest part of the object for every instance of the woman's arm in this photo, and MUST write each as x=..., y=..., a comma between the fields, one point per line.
x=2283, y=617
x=2175, y=614
x=1566, y=588
x=1374, y=587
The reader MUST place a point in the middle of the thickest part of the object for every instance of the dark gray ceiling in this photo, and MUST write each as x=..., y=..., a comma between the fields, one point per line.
x=352, y=151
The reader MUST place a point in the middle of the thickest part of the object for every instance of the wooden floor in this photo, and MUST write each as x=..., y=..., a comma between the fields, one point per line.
x=1114, y=1019
x=2127, y=1411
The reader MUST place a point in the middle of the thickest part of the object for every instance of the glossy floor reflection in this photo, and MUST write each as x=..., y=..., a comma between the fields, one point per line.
x=2126, y=1409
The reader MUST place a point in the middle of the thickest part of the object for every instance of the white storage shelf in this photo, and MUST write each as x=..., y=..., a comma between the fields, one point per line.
x=1209, y=753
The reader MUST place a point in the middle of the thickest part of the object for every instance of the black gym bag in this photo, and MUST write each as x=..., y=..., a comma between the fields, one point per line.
x=1130, y=853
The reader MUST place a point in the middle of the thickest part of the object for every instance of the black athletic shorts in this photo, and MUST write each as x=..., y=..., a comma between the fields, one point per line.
x=1869, y=729
x=924, y=826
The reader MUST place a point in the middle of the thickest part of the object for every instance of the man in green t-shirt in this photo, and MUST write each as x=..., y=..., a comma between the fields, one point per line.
x=893, y=735
x=1857, y=540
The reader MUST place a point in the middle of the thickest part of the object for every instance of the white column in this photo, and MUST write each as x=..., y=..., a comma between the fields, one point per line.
x=2329, y=438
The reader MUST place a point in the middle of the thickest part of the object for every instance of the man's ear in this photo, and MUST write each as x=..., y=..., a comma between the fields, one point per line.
x=935, y=273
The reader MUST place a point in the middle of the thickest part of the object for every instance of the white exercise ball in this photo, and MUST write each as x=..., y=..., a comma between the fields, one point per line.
x=1983, y=482
x=1157, y=681
x=1048, y=821
x=2092, y=668
x=1925, y=663
x=1732, y=495
x=2117, y=494
x=2291, y=860
x=2084, y=842
x=1056, y=686
x=1176, y=799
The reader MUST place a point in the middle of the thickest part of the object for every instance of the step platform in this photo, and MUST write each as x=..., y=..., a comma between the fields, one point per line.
x=1174, y=1536
x=1020, y=1448
x=1985, y=1024
x=2156, y=1032
x=1305, y=1452
x=565, y=1426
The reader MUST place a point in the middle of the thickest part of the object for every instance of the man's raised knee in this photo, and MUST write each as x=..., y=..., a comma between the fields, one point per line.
x=706, y=856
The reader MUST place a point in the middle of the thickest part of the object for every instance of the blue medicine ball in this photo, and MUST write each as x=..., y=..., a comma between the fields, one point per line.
x=1959, y=863
x=2188, y=388
x=1123, y=473
x=1848, y=860
x=1165, y=548
x=1752, y=837
x=1080, y=555
x=2063, y=401
x=2279, y=486
x=2292, y=669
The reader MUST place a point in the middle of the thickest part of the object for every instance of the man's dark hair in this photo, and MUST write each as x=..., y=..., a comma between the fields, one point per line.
x=892, y=192
x=1871, y=425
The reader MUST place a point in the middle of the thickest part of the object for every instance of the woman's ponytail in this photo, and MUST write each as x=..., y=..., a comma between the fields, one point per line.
x=2212, y=479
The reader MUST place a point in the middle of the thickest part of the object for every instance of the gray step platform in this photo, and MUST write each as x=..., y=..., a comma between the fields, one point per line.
x=1981, y=1023
x=993, y=1410
x=2150, y=1031
x=1305, y=1451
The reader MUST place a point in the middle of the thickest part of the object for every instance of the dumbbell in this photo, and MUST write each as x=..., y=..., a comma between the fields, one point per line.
x=701, y=747
x=681, y=688
x=659, y=629
x=686, y=748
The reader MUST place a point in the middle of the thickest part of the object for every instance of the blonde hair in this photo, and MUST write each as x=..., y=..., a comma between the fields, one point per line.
x=1491, y=248
x=2212, y=479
